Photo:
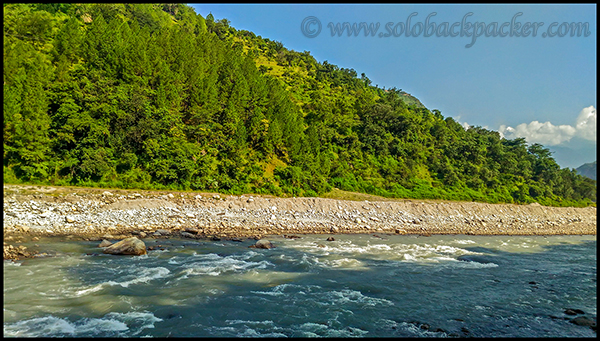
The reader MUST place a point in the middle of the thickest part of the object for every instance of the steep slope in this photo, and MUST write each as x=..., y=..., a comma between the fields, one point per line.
x=588, y=169
x=156, y=96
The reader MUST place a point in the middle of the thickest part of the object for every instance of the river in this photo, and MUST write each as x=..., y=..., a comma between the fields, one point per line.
x=355, y=286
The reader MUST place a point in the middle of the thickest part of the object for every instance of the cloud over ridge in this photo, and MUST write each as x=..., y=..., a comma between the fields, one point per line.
x=549, y=134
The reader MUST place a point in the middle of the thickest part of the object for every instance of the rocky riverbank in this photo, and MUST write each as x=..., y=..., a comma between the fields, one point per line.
x=95, y=214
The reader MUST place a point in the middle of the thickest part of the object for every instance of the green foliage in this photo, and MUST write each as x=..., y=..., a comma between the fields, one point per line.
x=155, y=96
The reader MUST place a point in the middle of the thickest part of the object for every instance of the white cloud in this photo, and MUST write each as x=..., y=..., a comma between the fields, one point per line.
x=465, y=125
x=586, y=123
x=549, y=134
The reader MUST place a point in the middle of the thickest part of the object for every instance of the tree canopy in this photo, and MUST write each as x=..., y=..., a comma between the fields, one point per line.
x=156, y=96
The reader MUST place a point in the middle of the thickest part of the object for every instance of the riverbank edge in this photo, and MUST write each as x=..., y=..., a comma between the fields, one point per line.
x=216, y=216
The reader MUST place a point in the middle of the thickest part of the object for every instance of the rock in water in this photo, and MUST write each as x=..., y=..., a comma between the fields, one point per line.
x=104, y=243
x=583, y=321
x=188, y=235
x=128, y=246
x=574, y=311
x=262, y=244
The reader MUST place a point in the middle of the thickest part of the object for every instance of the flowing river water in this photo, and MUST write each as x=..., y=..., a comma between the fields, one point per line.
x=354, y=286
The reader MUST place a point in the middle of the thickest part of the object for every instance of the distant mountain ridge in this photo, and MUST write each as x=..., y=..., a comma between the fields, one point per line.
x=588, y=169
x=574, y=153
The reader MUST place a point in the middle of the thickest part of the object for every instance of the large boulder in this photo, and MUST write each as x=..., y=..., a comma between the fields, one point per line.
x=128, y=246
x=262, y=244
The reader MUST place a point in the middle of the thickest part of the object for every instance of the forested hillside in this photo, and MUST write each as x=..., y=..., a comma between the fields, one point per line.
x=156, y=96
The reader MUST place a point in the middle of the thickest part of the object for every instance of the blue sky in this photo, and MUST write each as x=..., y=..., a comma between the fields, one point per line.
x=540, y=88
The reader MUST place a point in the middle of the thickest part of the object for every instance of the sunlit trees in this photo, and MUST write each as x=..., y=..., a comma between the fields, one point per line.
x=156, y=96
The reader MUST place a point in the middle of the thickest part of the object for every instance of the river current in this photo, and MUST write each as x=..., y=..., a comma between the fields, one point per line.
x=354, y=286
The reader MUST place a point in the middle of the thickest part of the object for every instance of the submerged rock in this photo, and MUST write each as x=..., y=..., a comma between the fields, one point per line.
x=128, y=246
x=476, y=259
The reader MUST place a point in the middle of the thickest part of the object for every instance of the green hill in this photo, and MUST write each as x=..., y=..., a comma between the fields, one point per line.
x=588, y=169
x=156, y=96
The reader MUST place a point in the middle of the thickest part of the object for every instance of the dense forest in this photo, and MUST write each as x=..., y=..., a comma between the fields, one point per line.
x=155, y=96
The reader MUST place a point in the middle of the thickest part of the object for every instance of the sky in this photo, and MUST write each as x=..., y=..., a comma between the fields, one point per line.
x=540, y=87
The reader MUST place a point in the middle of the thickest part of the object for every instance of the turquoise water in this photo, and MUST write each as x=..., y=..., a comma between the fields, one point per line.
x=355, y=286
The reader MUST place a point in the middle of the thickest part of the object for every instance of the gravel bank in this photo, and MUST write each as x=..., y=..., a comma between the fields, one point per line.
x=85, y=213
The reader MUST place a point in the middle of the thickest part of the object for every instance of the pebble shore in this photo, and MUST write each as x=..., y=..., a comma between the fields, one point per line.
x=96, y=214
